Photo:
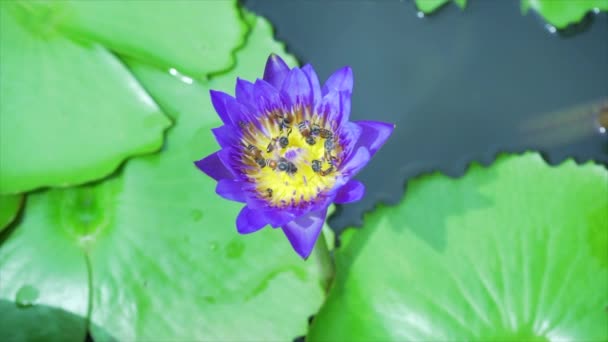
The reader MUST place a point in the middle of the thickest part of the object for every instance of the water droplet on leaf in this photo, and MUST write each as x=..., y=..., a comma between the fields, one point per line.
x=26, y=296
x=235, y=249
x=196, y=215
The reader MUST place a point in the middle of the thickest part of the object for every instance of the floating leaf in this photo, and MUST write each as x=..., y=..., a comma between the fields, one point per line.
x=69, y=113
x=166, y=262
x=430, y=6
x=517, y=251
x=196, y=37
x=561, y=13
x=9, y=208
x=43, y=276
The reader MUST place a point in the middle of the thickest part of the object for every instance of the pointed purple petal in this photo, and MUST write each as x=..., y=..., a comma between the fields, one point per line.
x=296, y=88
x=374, y=134
x=303, y=232
x=249, y=221
x=218, y=99
x=226, y=136
x=313, y=80
x=336, y=107
x=231, y=189
x=341, y=80
x=266, y=97
x=350, y=192
x=213, y=166
x=244, y=91
x=349, y=136
x=356, y=161
x=276, y=70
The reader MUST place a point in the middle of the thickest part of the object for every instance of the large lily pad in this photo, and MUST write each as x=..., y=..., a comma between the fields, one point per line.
x=561, y=13
x=166, y=262
x=430, y=6
x=195, y=37
x=69, y=113
x=517, y=251
x=9, y=208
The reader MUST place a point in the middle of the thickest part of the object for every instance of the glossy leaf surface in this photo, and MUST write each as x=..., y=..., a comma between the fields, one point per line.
x=561, y=13
x=430, y=6
x=69, y=113
x=195, y=37
x=9, y=208
x=165, y=259
x=517, y=251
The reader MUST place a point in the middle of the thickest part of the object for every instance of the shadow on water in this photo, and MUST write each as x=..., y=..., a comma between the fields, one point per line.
x=460, y=85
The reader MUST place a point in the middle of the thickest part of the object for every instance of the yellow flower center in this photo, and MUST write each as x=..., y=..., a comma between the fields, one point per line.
x=293, y=158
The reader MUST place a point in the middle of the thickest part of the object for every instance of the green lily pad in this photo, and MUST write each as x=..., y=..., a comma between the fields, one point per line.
x=44, y=283
x=69, y=113
x=9, y=208
x=195, y=37
x=561, y=13
x=430, y=6
x=514, y=252
x=166, y=261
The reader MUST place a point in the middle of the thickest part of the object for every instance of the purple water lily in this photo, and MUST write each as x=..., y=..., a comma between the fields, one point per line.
x=288, y=150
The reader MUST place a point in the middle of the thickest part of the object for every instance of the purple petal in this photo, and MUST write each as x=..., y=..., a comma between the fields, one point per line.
x=231, y=189
x=213, y=166
x=219, y=99
x=276, y=70
x=350, y=192
x=296, y=88
x=374, y=134
x=266, y=97
x=303, y=232
x=341, y=80
x=226, y=135
x=249, y=221
x=349, y=136
x=336, y=107
x=244, y=91
x=313, y=80
x=355, y=162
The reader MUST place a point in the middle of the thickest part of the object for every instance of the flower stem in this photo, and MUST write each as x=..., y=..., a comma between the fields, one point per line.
x=324, y=259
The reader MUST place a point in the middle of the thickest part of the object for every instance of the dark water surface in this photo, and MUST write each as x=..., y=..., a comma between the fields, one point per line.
x=461, y=86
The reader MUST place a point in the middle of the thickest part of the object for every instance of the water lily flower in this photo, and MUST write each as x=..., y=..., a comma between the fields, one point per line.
x=288, y=150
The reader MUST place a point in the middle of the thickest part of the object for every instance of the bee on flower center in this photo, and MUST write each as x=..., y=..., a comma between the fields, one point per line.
x=269, y=192
x=315, y=130
x=310, y=140
x=283, y=142
x=325, y=133
x=272, y=164
x=304, y=128
x=316, y=165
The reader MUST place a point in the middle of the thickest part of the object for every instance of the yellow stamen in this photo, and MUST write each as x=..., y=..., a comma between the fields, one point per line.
x=294, y=160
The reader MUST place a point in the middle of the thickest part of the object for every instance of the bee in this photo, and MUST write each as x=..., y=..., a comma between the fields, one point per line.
x=261, y=162
x=326, y=134
x=269, y=192
x=283, y=142
x=271, y=145
x=271, y=163
x=316, y=165
x=285, y=123
x=283, y=164
x=287, y=166
x=310, y=140
x=315, y=130
x=304, y=128
x=292, y=168
x=329, y=145
x=327, y=171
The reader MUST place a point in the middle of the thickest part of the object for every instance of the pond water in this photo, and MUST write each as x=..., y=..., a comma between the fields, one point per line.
x=461, y=86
